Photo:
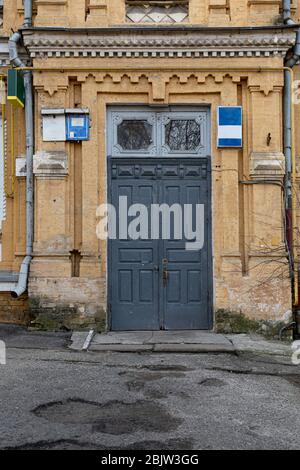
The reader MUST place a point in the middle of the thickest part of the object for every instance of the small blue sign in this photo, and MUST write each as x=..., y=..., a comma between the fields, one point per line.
x=78, y=127
x=230, y=126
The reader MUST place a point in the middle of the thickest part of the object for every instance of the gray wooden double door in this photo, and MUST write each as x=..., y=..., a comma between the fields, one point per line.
x=156, y=281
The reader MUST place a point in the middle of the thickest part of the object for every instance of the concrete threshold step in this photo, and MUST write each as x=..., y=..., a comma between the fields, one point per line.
x=164, y=348
x=156, y=341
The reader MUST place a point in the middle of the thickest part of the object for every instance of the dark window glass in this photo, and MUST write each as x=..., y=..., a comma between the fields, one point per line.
x=134, y=135
x=183, y=134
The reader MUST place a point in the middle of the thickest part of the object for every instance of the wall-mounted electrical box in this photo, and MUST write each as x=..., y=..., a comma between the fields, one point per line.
x=78, y=124
x=60, y=125
x=15, y=87
x=54, y=125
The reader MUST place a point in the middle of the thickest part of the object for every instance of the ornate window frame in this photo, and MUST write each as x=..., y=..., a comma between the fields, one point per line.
x=198, y=117
x=158, y=120
x=118, y=117
x=157, y=11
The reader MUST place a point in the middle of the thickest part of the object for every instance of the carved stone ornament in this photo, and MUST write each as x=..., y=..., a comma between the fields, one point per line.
x=267, y=165
x=50, y=164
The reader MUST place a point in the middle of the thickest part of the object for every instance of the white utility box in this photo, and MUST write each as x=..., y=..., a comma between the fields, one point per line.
x=54, y=125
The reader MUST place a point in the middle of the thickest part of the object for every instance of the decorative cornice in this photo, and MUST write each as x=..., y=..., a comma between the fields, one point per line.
x=149, y=43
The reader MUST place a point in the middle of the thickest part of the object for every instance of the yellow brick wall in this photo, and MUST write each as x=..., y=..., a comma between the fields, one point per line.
x=13, y=227
x=250, y=267
x=14, y=311
x=96, y=13
x=248, y=226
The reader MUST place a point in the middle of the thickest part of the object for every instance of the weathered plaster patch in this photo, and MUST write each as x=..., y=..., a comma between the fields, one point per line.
x=50, y=164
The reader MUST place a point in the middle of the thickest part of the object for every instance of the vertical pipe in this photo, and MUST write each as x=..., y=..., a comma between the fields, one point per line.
x=24, y=271
x=290, y=178
x=286, y=12
x=12, y=149
x=21, y=286
x=29, y=160
x=294, y=198
x=287, y=137
x=287, y=112
x=27, y=13
x=3, y=110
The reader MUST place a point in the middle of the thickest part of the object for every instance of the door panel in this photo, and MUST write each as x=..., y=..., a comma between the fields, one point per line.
x=186, y=299
x=141, y=297
x=133, y=275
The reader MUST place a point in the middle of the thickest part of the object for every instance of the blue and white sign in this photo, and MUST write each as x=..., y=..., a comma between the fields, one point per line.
x=230, y=126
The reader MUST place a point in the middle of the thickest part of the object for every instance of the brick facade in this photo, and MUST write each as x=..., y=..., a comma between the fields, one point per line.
x=111, y=65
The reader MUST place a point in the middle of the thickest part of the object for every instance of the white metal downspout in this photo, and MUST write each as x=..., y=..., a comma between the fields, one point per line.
x=15, y=39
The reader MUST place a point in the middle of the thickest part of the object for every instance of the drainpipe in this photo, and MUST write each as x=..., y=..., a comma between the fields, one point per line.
x=15, y=39
x=286, y=9
x=27, y=14
x=291, y=61
x=287, y=102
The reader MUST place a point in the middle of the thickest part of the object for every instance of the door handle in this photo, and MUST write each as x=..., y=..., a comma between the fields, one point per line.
x=165, y=272
x=165, y=277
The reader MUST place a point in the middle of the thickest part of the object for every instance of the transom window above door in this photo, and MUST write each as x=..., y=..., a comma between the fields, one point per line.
x=154, y=11
x=182, y=134
x=142, y=133
x=135, y=134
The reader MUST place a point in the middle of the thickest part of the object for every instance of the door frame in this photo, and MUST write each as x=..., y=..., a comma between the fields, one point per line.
x=183, y=108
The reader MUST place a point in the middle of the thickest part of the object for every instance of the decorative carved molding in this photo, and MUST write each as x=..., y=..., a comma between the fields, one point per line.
x=158, y=83
x=95, y=10
x=267, y=165
x=123, y=168
x=157, y=12
x=158, y=43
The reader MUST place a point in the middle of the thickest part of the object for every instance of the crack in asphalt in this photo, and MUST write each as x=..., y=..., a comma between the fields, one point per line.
x=73, y=444
x=252, y=372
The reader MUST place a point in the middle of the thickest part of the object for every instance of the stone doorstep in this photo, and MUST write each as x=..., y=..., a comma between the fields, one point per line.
x=180, y=342
x=163, y=348
x=155, y=341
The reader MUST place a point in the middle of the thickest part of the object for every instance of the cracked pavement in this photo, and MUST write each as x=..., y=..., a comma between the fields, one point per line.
x=55, y=398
